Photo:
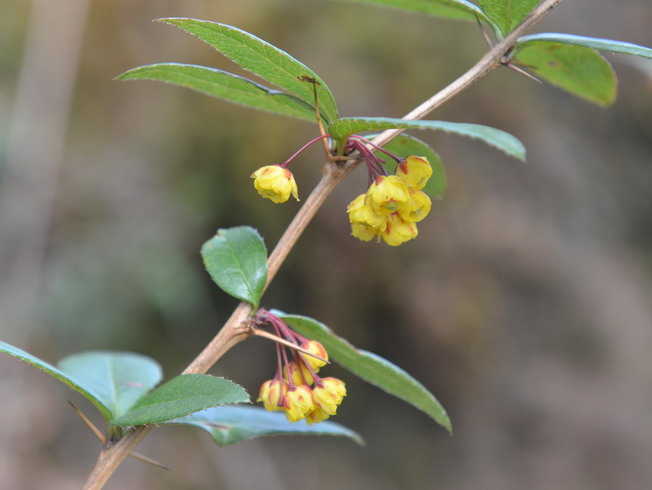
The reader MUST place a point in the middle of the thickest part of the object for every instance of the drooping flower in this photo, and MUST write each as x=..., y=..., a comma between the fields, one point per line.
x=329, y=395
x=299, y=373
x=298, y=403
x=275, y=183
x=416, y=208
x=317, y=349
x=415, y=171
x=387, y=193
x=399, y=231
x=271, y=394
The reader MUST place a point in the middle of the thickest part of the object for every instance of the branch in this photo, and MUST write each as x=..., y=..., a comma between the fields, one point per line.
x=236, y=328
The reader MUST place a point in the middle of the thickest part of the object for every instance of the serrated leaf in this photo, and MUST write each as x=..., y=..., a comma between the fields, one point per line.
x=224, y=85
x=346, y=126
x=118, y=379
x=609, y=45
x=405, y=145
x=507, y=14
x=236, y=259
x=265, y=60
x=451, y=9
x=181, y=396
x=121, y=376
x=58, y=374
x=228, y=425
x=370, y=367
x=576, y=69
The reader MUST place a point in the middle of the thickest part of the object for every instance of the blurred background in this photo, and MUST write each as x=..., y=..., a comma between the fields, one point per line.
x=525, y=305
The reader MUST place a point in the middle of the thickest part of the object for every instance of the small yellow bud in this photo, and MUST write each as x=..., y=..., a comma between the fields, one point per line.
x=271, y=392
x=328, y=396
x=386, y=194
x=317, y=349
x=299, y=373
x=275, y=183
x=298, y=403
x=416, y=208
x=399, y=231
x=415, y=171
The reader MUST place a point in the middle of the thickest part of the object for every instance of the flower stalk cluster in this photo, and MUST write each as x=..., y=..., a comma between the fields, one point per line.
x=296, y=389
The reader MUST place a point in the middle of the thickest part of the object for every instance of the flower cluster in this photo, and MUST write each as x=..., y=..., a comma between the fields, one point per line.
x=393, y=204
x=389, y=209
x=296, y=388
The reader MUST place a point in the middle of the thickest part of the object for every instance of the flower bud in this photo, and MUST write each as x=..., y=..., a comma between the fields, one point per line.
x=317, y=349
x=328, y=396
x=275, y=183
x=271, y=392
x=298, y=403
x=299, y=373
x=415, y=171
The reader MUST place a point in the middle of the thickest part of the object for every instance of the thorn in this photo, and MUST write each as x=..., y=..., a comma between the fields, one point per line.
x=267, y=335
x=147, y=460
x=102, y=439
x=485, y=36
x=523, y=72
x=95, y=430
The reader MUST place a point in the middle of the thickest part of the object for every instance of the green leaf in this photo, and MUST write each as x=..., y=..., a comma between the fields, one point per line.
x=60, y=375
x=507, y=14
x=451, y=9
x=118, y=379
x=370, y=367
x=111, y=381
x=346, y=126
x=576, y=69
x=236, y=259
x=224, y=85
x=228, y=425
x=405, y=145
x=609, y=45
x=263, y=59
x=182, y=396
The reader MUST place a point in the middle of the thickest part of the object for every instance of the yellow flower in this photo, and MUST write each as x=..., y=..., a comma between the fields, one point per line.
x=399, y=231
x=387, y=193
x=416, y=208
x=316, y=416
x=364, y=232
x=271, y=392
x=415, y=171
x=361, y=212
x=299, y=373
x=275, y=183
x=317, y=349
x=298, y=403
x=328, y=396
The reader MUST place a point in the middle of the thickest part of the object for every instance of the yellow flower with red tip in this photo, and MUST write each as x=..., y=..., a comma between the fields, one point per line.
x=399, y=231
x=415, y=171
x=298, y=403
x=317, y=349
x=272, y=393
x=329, y=395
x=387, y=193
x=275, y=183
